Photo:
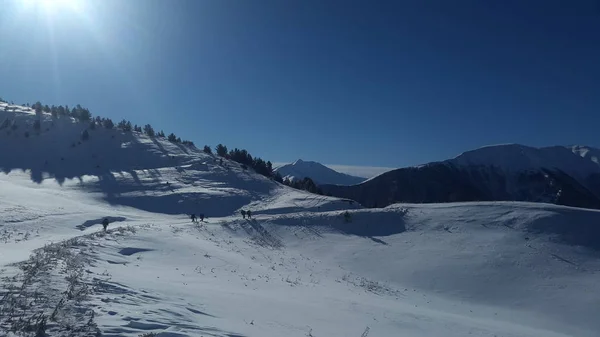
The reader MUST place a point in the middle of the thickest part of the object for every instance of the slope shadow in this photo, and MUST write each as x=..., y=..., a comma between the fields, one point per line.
x=90, y=223
x=125, y=167
x=378, y=241
x=182, y=203
x=128, y=251
x=60, y=153
x=367, y=225
x=572, y=227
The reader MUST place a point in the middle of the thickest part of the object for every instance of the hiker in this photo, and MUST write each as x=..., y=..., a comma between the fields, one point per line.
x=202, y=217
x=193, y=216
x=105, y=223
x=244, y=214
x=249, y=213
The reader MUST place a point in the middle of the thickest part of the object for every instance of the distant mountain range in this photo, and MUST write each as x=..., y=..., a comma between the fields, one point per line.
x=565, y=175
x=319, y=173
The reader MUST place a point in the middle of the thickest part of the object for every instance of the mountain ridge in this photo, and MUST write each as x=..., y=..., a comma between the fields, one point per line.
x=565, y=175
x=318, y=172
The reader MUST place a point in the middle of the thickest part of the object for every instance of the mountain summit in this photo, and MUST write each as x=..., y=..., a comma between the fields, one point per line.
x=318, y=172
x=509, y=172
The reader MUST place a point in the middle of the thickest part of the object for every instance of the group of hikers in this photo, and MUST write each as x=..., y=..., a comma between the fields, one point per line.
x=195, y=219
x=247, y=213
x=193, y=216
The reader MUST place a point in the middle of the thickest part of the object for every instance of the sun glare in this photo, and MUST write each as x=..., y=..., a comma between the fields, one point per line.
x=50, y=6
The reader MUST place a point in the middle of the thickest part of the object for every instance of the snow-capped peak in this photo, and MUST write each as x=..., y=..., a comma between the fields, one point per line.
x=515, y=157
x=318, y=172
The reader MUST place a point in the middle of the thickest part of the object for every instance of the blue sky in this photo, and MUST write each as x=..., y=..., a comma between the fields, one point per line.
x=385, y=83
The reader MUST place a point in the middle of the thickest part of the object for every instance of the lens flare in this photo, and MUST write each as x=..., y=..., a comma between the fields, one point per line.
x=51, y=6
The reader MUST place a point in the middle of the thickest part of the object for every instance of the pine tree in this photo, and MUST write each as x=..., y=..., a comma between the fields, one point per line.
x=124, y=125
x=108, y=123
x=221, y=150
x=37, y=106
x=149, y=130
x=207, y=149
x=172, y=137
x=84, y=115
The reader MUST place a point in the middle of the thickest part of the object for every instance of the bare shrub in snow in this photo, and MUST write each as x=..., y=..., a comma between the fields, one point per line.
x=368, y=285
x=36, y=294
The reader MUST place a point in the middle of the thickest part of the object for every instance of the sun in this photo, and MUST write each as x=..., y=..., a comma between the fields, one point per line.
x=51, y=6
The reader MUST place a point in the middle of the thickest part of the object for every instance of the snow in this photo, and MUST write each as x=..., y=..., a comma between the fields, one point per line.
x=297, y=268
x=319, y=173
x=515, y=157
x=591, y=153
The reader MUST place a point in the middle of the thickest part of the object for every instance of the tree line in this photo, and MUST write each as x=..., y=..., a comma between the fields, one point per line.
x=246, y=160
x=82, y=114
x=241, y=156
x=305, y=184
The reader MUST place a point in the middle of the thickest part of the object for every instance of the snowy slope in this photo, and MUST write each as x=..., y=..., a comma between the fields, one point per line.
x=515, y=157
x=297, y=268
x=319, y=173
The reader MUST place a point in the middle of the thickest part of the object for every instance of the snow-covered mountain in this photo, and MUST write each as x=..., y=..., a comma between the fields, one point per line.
x=319, y=173
x=576, y=161
x=303, y=265
x=558, y=174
